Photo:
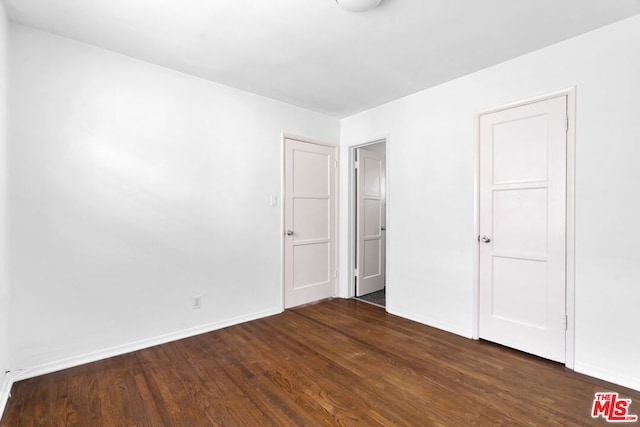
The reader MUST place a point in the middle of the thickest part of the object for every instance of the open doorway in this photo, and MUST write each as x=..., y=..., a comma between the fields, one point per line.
x=369, y=219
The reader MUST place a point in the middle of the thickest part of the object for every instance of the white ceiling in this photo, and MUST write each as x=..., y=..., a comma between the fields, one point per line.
x=313, y=54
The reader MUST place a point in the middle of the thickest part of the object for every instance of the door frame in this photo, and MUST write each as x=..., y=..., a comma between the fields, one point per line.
x=352, y=211
x=570, y=93
x=336, y=210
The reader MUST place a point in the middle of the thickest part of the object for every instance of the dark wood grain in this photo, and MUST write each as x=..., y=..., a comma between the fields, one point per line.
x=340, y=362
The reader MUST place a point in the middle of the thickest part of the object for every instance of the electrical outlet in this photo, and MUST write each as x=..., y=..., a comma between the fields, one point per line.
x=197, y=302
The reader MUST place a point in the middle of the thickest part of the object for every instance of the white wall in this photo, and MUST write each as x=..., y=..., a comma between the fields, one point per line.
x=430, y=169
x=134, y=188
x=4, y=284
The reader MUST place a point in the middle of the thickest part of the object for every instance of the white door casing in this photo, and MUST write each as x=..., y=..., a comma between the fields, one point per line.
x=370, y=221
x=310, y=218
x=522, y=198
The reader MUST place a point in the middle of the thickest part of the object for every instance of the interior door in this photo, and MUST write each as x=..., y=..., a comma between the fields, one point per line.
x=523, y=227
x=310, y=222
x=370, y=222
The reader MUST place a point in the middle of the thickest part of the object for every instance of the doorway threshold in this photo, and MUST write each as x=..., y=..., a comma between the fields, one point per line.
x=377, y=298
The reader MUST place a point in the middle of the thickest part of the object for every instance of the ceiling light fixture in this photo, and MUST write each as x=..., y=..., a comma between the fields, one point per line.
x=358, y=5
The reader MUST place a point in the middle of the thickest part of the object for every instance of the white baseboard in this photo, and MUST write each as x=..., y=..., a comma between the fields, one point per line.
x=81, y=359
x=5, y=390
x=612, y=377
x=592, y=371
x=425, y=320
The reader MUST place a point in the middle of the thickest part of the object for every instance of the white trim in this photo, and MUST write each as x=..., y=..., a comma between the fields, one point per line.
x=475, y=309
x=5, y=391
x=428, y=321
x=596, y=372
x=534, y=99
x=571, y=230
x=352, y=207
x=336, y=149
x=283, y=154
x=307, y=140
x=94, y=356
x=570, y=93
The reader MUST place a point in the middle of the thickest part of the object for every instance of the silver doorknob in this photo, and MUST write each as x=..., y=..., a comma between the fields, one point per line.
x=485, y=239
x=289, y=232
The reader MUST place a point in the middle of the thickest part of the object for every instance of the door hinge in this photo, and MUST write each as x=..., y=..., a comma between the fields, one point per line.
x=335, y=163
x=565, y=321
x=357, y=164
x=356, y=272
x=335, y=273
x=566, y=124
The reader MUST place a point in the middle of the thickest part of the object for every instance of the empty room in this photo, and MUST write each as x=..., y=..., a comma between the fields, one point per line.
x=327, y=212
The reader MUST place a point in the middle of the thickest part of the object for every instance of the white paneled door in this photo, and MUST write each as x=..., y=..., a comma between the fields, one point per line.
x=370, y=222
x=310, y=222
x=523, y=227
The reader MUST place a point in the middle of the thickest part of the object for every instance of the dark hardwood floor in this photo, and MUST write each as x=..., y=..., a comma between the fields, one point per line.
x=340, y=362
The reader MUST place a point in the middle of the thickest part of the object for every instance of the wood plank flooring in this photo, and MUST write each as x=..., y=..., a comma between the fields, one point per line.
x=336, y=363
